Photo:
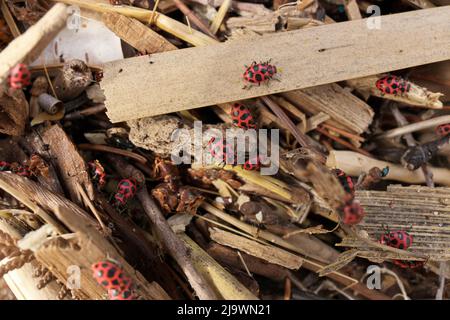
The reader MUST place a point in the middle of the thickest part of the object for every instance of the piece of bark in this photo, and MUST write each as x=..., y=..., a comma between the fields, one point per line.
x=14, y=112
x=201, y=84
x=71, y=167
x=136, y=34
x=353, y=114
x=29, y=45
x=423, y=211
x=72, y=80
x=266, y=252
x=33, y=144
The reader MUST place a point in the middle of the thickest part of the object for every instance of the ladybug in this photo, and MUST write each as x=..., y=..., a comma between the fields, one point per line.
x=257, y=73
x=23, y=171
x=345, y=180
x=443, y=130
x=397, y=239
x=124, y=294
x=5, y=166
x=252, y=164
x=108, y=274
x=393, y=85
x=409, y=264
x=98, y=172
x=221, y=151
x=19, y=76
x=353, y=213
x=126, y=189
x=242, y=117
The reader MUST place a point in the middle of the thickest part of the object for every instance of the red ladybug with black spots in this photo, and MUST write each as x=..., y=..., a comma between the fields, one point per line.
x=19, y=76
x=242, y=116
x=399, y=239
x=125, y=294
x=252, y=164
x=221, y=151
x=353, y=213
x=393, y=85
x=443, y=130
x=108, y=274
x=257, y=73
x=405, y=264
x=126, y=189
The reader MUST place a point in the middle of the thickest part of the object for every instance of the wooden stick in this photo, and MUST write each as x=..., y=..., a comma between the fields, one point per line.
x=192, y=17
x=413, y=127
x=227, y=285
x=201, y=85
x=10, y=20
x=218, y=19
x=109, y=149
x=355, y=164
x=29, y=45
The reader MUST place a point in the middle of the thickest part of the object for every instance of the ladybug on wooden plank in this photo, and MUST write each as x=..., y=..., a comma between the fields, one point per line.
x=126, y=189
x=399, y=239
x=257, y=73
x=242, y=116
x=393, y=85
x=110, y=275
x=125, y=294
x=19, y=77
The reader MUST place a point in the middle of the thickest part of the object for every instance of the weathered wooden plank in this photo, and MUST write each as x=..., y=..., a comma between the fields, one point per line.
x=208, y=75
x=423, y=211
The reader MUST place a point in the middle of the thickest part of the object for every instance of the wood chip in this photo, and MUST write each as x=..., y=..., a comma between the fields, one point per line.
x=266, y=252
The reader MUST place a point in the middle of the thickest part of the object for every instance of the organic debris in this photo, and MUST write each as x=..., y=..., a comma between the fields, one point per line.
x=284, y=184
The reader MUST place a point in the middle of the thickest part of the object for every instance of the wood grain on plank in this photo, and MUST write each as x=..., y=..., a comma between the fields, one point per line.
x=208, y=75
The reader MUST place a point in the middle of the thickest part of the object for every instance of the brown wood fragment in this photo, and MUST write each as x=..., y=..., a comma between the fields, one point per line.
x=71, y=167
x=13, y=112
x=136, y=34
x=255, y=265
x=353, y=114
x=266, y=252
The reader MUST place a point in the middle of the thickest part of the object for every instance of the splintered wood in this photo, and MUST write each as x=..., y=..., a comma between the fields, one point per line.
x=196, y=77
x=423, y=212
